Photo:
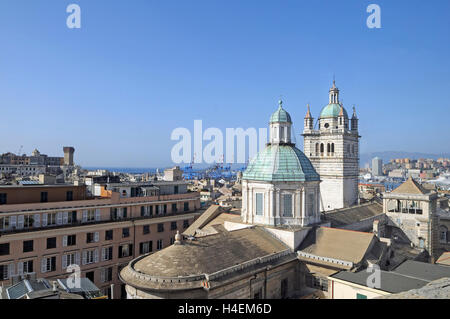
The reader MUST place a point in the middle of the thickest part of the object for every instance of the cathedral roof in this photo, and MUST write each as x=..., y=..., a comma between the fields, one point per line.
x=332, y=110
x=185, y=265
x=281, y=163
x=280, y=115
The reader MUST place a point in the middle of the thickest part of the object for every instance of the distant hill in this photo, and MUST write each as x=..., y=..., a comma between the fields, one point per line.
x=388, y=155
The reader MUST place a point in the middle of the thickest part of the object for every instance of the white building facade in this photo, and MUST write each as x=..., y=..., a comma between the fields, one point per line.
x=280, y=186
x=333, y=149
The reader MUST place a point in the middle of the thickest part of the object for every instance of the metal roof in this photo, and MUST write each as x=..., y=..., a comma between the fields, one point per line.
x=284, y=163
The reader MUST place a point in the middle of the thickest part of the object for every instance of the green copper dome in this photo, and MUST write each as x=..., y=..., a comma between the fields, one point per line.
x=280, y=115
x=281, y=163
x=332, y=110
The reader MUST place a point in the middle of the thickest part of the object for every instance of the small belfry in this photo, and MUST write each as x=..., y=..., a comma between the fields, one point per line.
x=333, y=149
x=280, y=186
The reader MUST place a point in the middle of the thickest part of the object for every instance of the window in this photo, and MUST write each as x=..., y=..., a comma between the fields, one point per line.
x=27, y=246
x=48, y=264
x=259, y=204
x=44, y=197
x=70, y=240
x=4, y=249
x=92, y=238
x=125, y=250
x=106, y=275
x=90, y=216
x=317, y=282
x=4, y=223
x=146, y=229
x=173, y=226
x=51, y=219
x=160, y=228
x=3, y=198
x=51, y=243
x=157, y=209
x=443, y=234
x=143, y=211
x=72, y=217
x=90, y=256
x=174, y=208
x=107, y=253
x=109, y=235
x=146, y=247
x=69, y=259
x=5, y=271
x=69, y=196
x=360, y=296
x=185, y=224
x=125, y=232
x=28, y=221
x=186, y=206
x=310, y=205
x=165, y=209
x=287, y=205
x=175, y=190
x=159, y=244
x=321, y=149
x=25, y=267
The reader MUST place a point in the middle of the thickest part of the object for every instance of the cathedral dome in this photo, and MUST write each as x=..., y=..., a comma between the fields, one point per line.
x=281, y=163
x=332, y=110
x=280, y=115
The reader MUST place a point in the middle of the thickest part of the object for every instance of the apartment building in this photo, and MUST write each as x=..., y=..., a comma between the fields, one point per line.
x=99, y=235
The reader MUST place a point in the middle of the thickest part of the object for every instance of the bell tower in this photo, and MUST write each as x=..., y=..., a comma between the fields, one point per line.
x=333, y=149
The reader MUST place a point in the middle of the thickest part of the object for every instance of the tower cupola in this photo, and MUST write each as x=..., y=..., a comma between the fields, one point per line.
x=280, y=126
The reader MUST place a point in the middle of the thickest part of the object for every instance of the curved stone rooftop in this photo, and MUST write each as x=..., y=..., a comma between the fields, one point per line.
x=280, y=115
x=185, y=266
x=332, y=110
x=281, y=163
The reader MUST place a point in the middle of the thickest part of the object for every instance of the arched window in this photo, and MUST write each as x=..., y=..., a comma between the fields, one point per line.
x=332, y=148
x=443, y=234
x=328, y=148
x=317, y=149
x=321, y=148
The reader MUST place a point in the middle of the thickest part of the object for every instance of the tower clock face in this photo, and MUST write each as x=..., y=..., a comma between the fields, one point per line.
x=327, y=125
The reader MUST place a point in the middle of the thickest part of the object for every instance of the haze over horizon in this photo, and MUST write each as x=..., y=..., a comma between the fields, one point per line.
x=116, y=88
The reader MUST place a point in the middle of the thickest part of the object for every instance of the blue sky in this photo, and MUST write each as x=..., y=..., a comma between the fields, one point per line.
x=116, y=88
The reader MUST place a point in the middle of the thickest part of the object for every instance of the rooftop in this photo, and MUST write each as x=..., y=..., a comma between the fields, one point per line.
x=281, y=163
x=410, y=187
x=348, y=216
x=338, y=244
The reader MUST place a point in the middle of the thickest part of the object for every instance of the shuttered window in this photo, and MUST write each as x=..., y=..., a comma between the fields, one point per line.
x=259, y=204
x=287, y=205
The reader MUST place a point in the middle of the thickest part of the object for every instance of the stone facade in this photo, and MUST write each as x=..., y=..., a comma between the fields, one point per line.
x=333, y=149
x=413, y=211
x=305, y=201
